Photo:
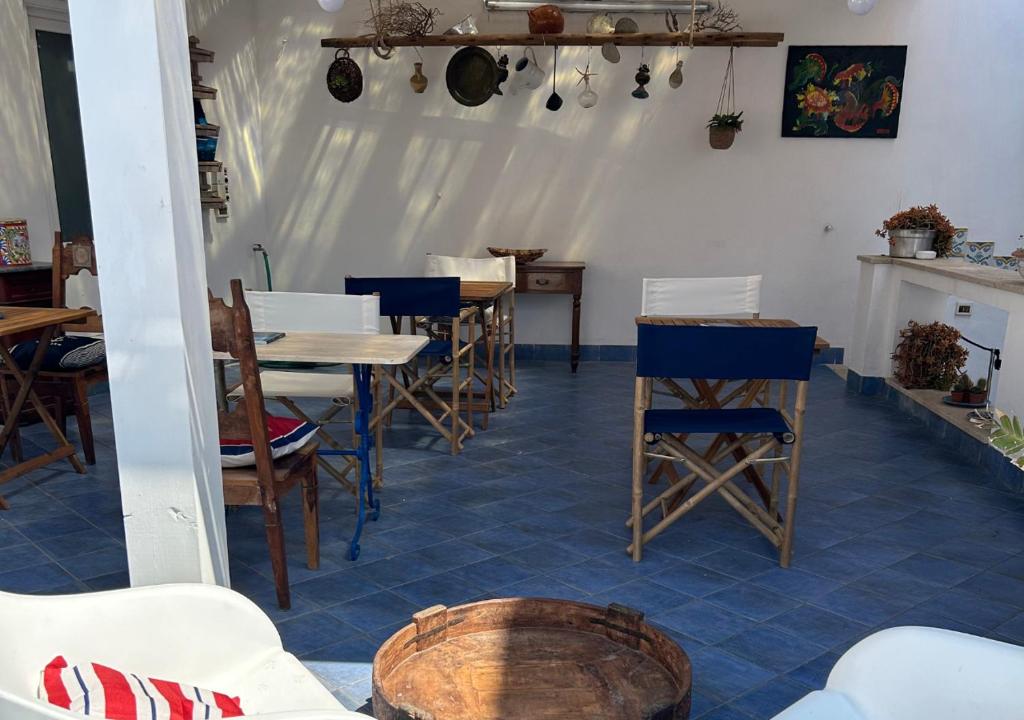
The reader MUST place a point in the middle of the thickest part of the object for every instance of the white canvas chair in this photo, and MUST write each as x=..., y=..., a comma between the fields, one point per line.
x=502, y=269
x=919, y=673
x=702, y=297
x=314, y=312
x=205, y=635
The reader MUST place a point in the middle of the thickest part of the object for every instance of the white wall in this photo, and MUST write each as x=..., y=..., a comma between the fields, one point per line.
x=26, y=175
x=631, y=187
x=228, y=28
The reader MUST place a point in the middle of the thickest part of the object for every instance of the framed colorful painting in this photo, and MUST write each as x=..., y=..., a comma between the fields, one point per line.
x=844, y=91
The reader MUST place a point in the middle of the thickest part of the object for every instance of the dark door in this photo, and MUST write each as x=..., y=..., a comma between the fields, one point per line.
x=60, y=96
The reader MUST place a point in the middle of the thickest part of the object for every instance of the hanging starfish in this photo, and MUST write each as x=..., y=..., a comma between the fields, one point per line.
x=585, y=75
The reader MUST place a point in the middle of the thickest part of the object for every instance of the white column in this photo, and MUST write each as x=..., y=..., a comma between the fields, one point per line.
x=874, y=325
x=135, y=92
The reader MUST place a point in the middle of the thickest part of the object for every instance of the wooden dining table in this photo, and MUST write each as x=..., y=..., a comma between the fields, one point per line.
x=362, y=352
x=484, y=295
x=712, y=394
x=46, y=321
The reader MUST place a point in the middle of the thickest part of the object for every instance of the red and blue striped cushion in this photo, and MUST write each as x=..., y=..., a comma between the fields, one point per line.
x=99, y=691
x=286, y=436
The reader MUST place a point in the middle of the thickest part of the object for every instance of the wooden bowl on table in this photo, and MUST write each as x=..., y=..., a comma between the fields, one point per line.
x=522, y=255
x=530, y=659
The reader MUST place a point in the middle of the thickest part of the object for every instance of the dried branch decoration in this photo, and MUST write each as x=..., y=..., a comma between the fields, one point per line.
x=409, y=19
x=722, y=19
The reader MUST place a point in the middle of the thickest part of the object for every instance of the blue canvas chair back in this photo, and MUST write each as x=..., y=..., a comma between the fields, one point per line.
x=722, y=352
x=407, y=296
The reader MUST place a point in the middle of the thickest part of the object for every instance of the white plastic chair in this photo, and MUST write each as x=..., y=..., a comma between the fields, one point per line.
x=702, y=297
x=315, y=312
x=493, y=269
x=919, y=673
x=205, y=635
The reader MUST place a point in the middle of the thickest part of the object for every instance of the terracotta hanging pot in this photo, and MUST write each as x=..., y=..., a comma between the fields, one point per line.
x=546, y=20
x=344, y=78
x=721, y=138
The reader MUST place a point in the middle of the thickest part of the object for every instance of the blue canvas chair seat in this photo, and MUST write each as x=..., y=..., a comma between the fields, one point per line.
x=740, y=421
x=746, y=437
x=421, y=300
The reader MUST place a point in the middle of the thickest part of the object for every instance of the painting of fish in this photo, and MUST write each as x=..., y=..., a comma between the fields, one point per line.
x=844, y=91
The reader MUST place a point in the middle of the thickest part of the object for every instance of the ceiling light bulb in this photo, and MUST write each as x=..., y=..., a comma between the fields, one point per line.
x=336, y=5
x=860, y=7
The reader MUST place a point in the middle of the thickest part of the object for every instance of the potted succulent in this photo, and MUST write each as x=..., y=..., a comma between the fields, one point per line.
x=929, y=356
x=918, y=228
x=961, y=391
x=978, y=393
x=723, y=128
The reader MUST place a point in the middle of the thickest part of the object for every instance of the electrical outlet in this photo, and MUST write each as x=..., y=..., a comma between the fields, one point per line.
x=963, y=309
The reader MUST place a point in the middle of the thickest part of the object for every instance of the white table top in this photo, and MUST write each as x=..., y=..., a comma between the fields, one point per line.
x=349, y=349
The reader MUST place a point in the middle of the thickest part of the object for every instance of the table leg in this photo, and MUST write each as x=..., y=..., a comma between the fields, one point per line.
x=25, y=393
x=362, y=375
x=575, y=359
x=500, y=345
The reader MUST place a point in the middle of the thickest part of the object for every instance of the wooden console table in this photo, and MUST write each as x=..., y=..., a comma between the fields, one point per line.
x=556, y=278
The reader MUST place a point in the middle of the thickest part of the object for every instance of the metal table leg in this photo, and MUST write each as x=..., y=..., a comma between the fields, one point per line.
x=365, y=498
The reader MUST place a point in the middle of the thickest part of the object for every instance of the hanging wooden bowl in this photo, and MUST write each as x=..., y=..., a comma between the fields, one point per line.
x=530, y=659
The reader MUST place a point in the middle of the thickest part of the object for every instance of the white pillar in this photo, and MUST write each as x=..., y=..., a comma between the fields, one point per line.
x=135, y=92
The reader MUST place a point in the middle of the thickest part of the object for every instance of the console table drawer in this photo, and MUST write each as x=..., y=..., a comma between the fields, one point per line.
x=547, y=282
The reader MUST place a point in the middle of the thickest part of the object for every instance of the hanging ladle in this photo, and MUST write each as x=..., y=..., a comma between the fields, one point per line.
x=555, y=100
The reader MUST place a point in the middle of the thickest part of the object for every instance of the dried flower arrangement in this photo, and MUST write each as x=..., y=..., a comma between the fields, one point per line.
x=922, y=217
x=929, y=356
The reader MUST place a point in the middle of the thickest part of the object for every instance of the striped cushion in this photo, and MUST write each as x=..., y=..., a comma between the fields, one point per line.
x=99, y=691
x=286, y=435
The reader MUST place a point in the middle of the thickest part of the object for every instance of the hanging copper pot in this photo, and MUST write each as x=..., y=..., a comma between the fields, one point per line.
x=546, y=20
x=344, y=78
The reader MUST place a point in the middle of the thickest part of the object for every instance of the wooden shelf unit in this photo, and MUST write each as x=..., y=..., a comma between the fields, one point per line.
x=660, y=39
x=209, y=186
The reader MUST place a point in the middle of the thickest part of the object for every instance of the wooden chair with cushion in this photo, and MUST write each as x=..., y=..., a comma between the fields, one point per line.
x=68, y=387
x=269, y=479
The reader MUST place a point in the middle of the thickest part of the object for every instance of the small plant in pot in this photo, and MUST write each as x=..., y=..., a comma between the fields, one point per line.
x=978, y=393
x=961, y=391
x=726, y=122
x=919, y=228
x=723, y=128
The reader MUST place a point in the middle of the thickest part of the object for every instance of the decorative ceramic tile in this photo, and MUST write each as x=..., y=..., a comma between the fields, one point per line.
x=979, y=252
x=959, y=241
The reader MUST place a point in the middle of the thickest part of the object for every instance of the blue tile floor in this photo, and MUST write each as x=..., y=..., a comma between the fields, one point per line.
x=892, y=529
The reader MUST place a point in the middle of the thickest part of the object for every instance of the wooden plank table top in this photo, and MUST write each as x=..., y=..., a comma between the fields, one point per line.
x=20, y=319
x=482, y=290
x=340, y=348
x=820, y=343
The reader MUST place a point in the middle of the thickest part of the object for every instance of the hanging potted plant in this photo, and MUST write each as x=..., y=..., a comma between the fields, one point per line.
x=919, y=228
x=726, y=122
x=929, y=356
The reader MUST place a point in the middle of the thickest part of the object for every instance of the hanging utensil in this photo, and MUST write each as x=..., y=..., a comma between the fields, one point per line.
x=472, y=76
x=642, y=77
x=555, y=100
x=610, y=52
x=502, y=73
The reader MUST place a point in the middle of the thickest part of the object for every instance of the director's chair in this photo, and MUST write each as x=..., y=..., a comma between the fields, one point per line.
x=702, y=352
x=706, y=297
x=436, y=299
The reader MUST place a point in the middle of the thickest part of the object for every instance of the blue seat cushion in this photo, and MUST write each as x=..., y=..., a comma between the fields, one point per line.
x=730, y=420
x=66, y=352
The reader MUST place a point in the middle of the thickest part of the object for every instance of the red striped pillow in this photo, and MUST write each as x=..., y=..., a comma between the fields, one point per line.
x=99, y=691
